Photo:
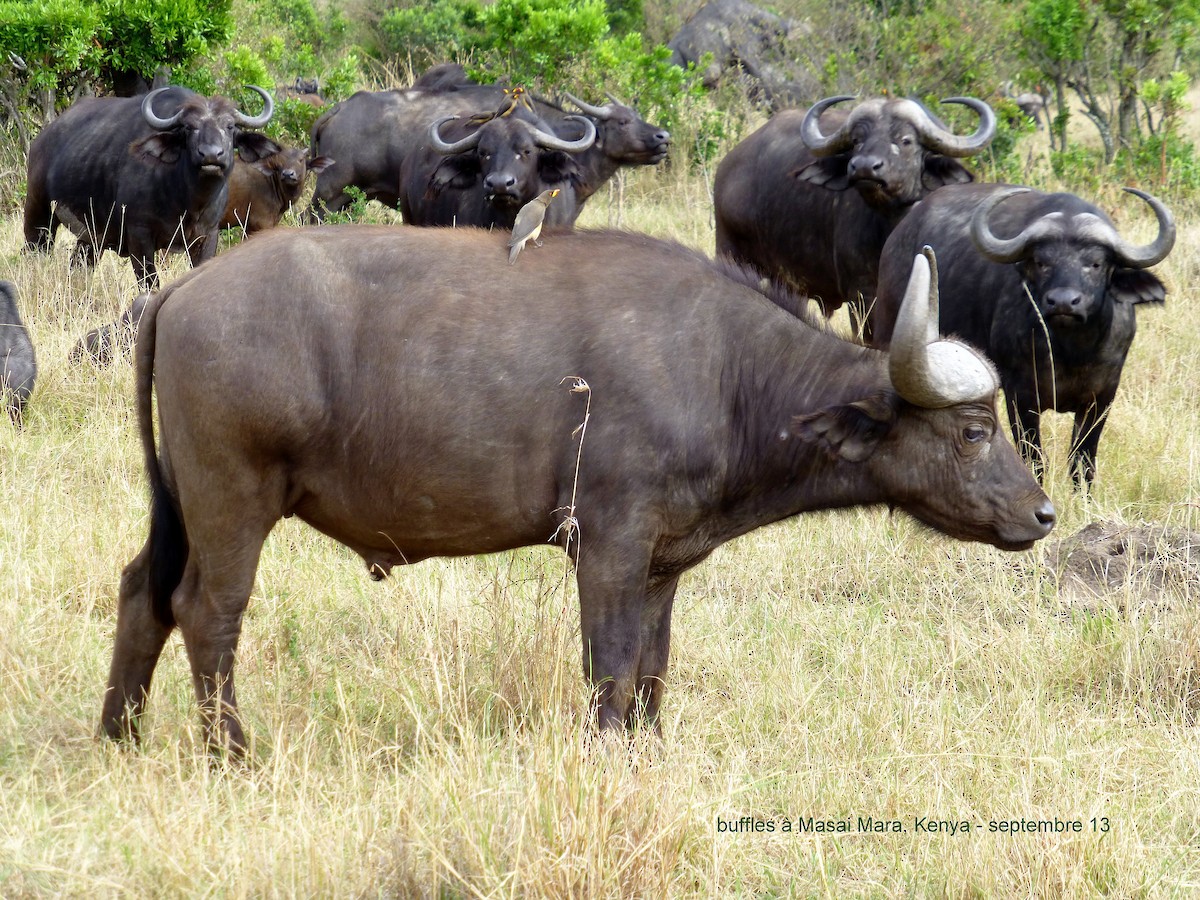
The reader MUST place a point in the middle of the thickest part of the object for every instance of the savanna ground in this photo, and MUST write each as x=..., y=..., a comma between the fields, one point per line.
x=426, y=735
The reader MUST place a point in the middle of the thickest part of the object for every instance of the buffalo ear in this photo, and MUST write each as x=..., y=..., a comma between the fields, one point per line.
x=161, y=147
x=555, y=167
x=1136, y=286
x=454, y=172
x=253, y=146
x=850, y=432
x=941, y=170
x=320, y=164
x=828, y=172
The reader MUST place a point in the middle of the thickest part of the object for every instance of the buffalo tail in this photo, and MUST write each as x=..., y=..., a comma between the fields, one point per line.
x=168, y=543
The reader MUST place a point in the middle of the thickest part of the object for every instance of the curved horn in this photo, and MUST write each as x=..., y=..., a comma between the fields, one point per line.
x=440, y=145
x=155, y=121
x=554, y=142
x=613, y=99
x=937, y=138
x=997, y=249
x=810, y=130
x=600, y=112
x=1156, y=251
x=925, y=370
x=262, y=118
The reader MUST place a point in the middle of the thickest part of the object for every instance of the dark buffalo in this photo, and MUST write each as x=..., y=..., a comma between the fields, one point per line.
x=782, y=197
x=1046, y=286
x=372, y=134
x=260, y=192
x=714, y=412
x=139, y=174
x=18, y=367
x=102, y=345
x=735, y=38
x=306, y=90
x=489, y=169
x=623, y=138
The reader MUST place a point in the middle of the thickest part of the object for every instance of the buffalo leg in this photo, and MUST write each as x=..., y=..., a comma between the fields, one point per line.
x=84, y=255
x=1026, y=423
x=141, y=257
x=612, y=596
x=139, y=642
x=208, y=605
x=40, y=221
x=1085, y=439
x=199, y=251
x=655, y=650
x=145, y=271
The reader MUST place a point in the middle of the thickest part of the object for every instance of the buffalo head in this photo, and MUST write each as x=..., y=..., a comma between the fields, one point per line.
x=504, y=153
x=624, y=136
x=893, y=151
x=205, y=131
x=1070, y=257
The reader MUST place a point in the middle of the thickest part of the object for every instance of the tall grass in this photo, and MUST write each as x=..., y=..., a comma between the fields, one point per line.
x=426, y=735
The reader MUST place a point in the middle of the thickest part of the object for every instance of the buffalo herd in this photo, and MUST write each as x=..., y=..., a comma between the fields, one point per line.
x=407, y=392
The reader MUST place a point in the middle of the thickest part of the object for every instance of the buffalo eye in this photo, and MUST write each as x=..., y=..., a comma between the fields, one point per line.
x=974, y=434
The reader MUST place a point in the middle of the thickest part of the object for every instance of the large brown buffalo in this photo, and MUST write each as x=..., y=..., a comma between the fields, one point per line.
x=409, y=393
x=812, y=196
x=137, y=175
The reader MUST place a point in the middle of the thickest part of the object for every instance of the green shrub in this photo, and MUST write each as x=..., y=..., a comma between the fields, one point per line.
x=431, y=33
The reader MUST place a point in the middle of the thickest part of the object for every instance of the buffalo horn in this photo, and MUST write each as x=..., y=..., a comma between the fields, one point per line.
x=810, y=129
x=1156, y=251
x=947, y=143
x=1000, y=250
x=262, y=118
x=155, y=121
x=467, y=143
x=600, y=112
x=925, y=370
x=554, y=142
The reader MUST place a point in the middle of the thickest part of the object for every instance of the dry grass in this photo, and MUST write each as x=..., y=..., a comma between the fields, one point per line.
x=424, y=736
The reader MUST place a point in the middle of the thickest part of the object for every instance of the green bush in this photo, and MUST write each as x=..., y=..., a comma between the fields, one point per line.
x=1168, y=160
x=432, y=33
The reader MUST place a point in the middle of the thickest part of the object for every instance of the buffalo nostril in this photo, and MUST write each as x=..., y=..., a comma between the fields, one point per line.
x=1046, y=516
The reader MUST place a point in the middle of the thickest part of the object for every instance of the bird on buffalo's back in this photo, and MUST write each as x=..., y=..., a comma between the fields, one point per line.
x=529, y=223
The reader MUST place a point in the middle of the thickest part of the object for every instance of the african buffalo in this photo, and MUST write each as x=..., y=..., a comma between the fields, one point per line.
x=306, y=90
x=735, y=38
x=139, y=174
x=623, y=138
x=713, y=412
x=260, y=192
x=492, y=167
x=782, y=201
x=373, y=134
x=1045, y=285
x=18, y=367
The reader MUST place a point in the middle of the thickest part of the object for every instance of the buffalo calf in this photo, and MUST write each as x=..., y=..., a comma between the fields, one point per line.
x=261, y=191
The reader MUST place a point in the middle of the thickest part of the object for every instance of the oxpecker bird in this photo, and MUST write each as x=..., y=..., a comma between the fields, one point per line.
x=529, y=223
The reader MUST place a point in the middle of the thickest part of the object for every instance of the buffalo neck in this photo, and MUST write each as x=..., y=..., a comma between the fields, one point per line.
x=775, y=473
